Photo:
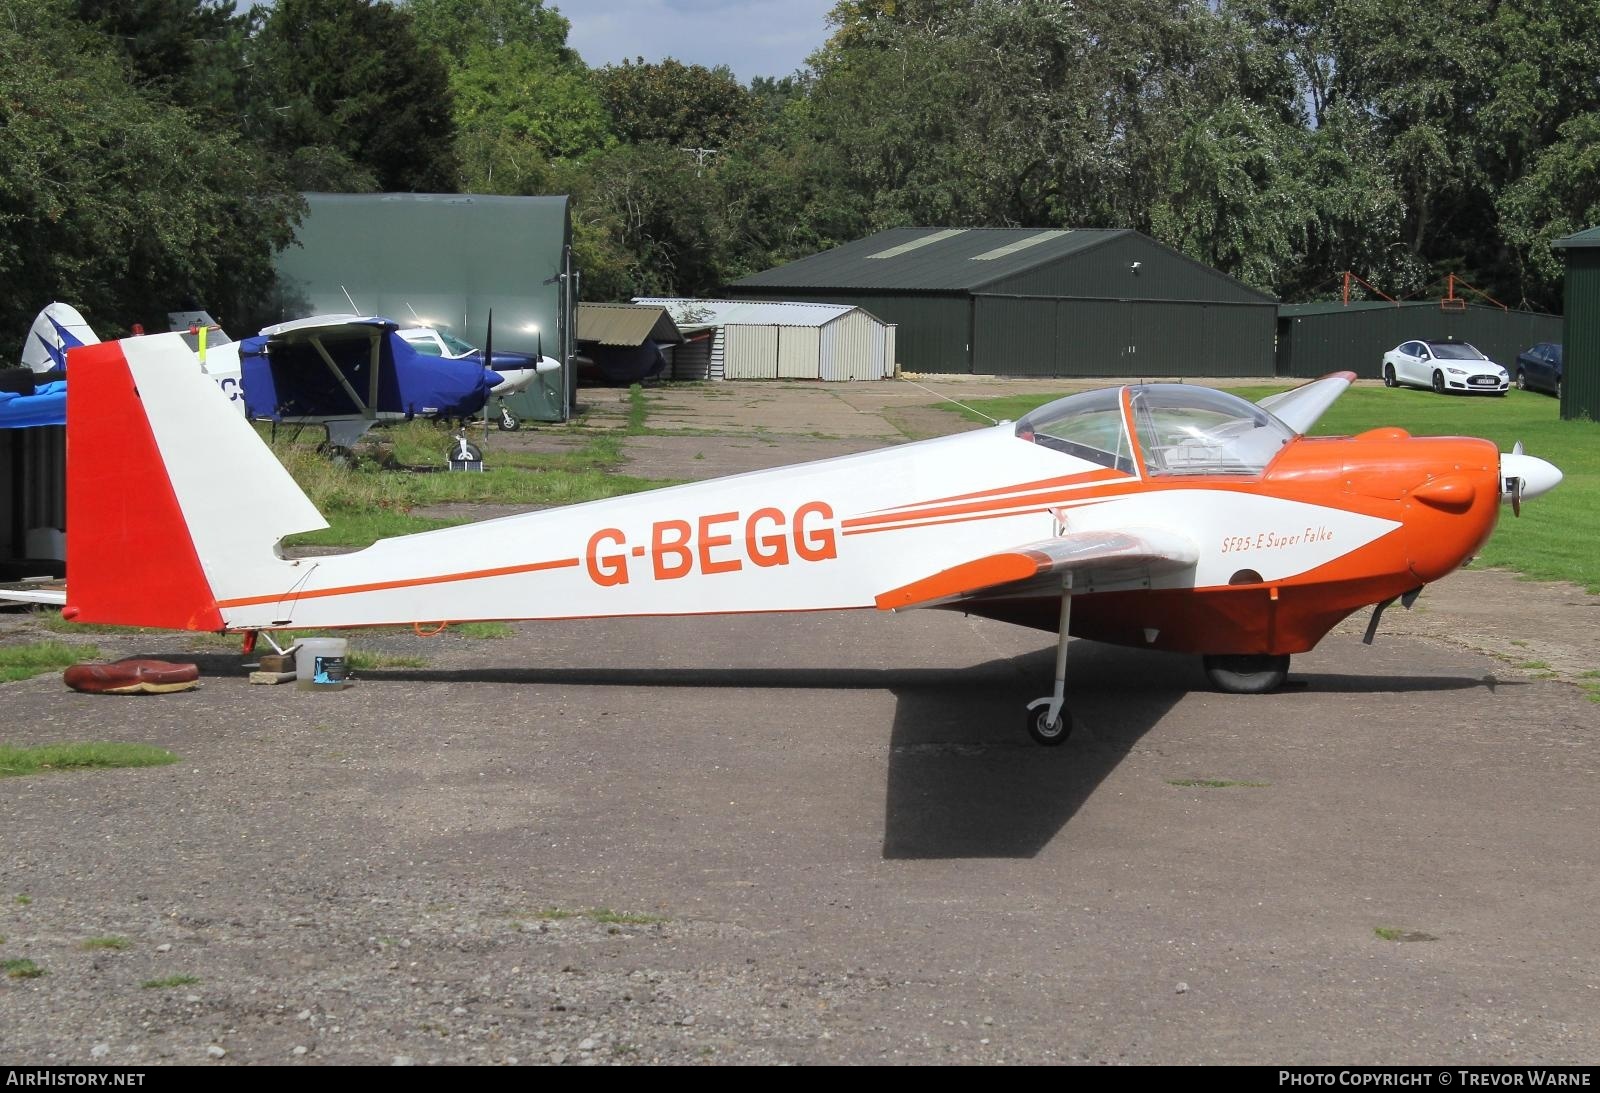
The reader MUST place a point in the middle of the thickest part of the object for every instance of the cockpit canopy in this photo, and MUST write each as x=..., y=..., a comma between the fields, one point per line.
x=1181, y=429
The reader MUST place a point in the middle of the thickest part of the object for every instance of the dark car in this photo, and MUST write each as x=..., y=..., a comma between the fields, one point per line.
x=1539, y=368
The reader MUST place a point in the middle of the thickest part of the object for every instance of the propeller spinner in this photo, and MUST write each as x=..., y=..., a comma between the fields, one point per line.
x=1524, y=475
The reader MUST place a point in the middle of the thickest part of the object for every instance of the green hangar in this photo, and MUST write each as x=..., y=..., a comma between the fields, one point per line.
x=1581, y=333
x=1030, y=302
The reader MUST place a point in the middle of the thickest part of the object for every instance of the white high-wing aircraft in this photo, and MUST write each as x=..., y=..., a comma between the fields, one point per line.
x=1162, y=516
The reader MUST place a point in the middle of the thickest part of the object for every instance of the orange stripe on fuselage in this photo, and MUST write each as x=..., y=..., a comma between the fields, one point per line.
x=1020, y=487
x=409, y=582
x=998, y=504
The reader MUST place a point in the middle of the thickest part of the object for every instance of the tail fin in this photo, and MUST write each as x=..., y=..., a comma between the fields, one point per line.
x=57, y=329
x=172, y=498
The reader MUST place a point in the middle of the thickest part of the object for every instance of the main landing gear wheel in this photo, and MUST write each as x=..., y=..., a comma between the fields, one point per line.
x=1247, y=675
x=1049, y=723
x=508, y=423
x=1388, y=376
x=1522, y=380
x=1046, y=732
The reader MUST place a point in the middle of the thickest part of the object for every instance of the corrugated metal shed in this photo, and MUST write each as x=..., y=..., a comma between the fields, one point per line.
x=1315, y=339
x=782, y=340
x=1580, y=397
x=1044, y=302
x=698, y=314
x=626, y=325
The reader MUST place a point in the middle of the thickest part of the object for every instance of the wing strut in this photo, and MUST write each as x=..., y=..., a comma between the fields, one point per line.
x=1053, y=724
x=363, y=408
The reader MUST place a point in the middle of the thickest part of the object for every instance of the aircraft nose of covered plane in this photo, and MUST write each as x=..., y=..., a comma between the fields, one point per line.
x=1523, y=476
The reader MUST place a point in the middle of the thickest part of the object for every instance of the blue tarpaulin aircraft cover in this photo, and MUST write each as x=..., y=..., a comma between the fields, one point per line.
x=292, y=380
x=46, y=406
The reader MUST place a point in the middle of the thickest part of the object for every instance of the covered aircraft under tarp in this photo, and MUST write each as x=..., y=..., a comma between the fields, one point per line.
x=47, y=405
x=348, y=371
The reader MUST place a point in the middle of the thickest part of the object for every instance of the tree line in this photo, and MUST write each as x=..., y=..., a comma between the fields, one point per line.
x=152, y=152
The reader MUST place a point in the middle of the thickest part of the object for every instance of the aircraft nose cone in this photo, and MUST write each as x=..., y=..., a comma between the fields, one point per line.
x=1537, y=475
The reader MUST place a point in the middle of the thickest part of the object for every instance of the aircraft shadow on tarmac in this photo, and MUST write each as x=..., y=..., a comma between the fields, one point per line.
x=964, y=779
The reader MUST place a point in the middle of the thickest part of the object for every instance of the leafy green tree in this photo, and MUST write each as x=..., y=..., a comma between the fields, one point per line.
x=1025, y=112
x=523, y=99
x=113, y=198
x=646, y=221
x=516, y=112
x=1559, y=196
x=189, y=50
x=350, y=79
x=459, y=26
x=1234, y=199
x=686, y=106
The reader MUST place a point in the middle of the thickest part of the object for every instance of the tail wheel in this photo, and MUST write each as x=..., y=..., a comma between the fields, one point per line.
x=1388, y=376
x=1438, y=382
x=1248, y=674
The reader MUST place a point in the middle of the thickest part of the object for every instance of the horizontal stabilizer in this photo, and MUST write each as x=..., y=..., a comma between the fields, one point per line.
x=54, y=597
x=1120, y=555
x=1299, y=409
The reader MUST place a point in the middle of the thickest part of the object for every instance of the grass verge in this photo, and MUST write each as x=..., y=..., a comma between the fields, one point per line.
x=16, y=761
x=1395, y=933
x=168, y=982
x=370, y=497
x=37, y=658
x=360, y=661
x=490, y=630
x=1214, y=783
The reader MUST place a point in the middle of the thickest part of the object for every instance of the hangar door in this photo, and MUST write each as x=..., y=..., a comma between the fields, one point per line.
x=1036, y=336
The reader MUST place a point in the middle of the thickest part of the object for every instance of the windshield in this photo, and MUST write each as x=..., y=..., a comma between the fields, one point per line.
x=456, y=346
x=1195, y=430
x=1455, y=351
x=1088, y=426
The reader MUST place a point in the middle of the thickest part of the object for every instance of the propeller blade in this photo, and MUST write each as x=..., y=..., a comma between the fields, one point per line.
x=1516, y=496
x=488, y=342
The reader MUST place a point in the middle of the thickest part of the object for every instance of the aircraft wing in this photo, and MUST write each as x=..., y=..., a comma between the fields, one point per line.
x=1105, y=555
x=1299, y=409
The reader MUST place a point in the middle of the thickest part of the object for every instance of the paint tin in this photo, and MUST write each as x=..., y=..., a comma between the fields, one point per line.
x=321, y=664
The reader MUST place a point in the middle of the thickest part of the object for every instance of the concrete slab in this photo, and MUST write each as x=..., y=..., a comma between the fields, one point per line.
x=832, y=843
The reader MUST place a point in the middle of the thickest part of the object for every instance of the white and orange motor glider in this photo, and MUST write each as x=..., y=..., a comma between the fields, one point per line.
x=1163, y=516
